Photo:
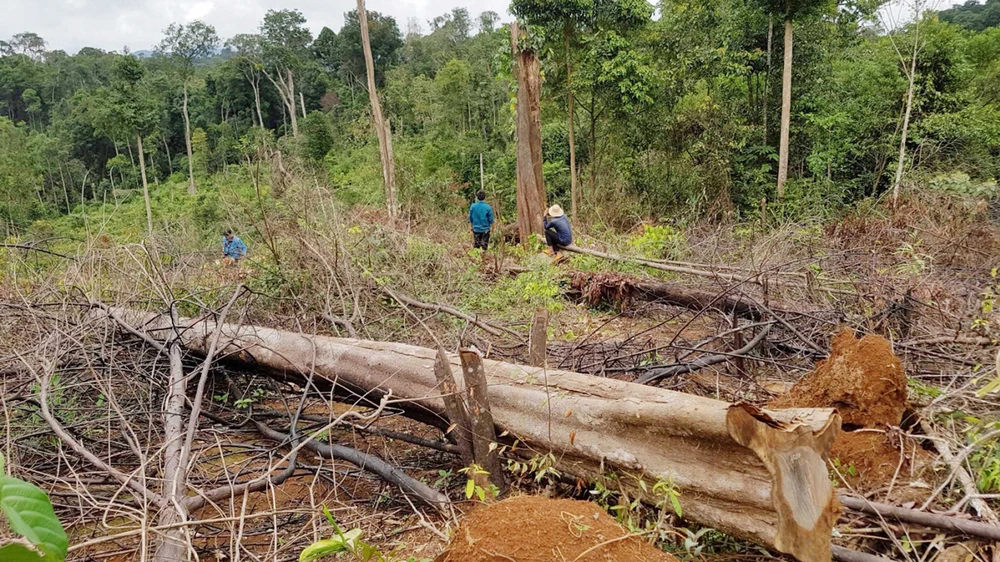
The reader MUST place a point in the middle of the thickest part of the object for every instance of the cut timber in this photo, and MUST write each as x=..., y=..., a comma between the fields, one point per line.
x=616, y=288
x=484, y=436
x=458, y=415
x=597, y=426
x=530, y=181
x=539, y=335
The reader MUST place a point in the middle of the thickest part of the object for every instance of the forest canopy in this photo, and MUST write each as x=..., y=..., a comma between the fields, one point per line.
x=674, y=112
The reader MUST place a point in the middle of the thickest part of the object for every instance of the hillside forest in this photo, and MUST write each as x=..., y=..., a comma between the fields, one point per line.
x=767, y=329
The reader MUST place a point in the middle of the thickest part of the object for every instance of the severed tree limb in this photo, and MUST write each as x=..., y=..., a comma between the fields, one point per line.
x=459, y=428
x=366, y=462
x=64, y=436
x=341, y=323
x=661, y=373
x=841, y=554
x=933, y=520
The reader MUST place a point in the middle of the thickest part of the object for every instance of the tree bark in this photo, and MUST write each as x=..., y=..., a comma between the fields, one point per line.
x=574, y=194
x=539, y=337
x=531, y=199
x=381, y=124
x=171, y=547
x=458, y=415
x=760, y=476
x=187, y=142
x=484, y=437
x=786, y=110
x=145, y=185
x=302, y=103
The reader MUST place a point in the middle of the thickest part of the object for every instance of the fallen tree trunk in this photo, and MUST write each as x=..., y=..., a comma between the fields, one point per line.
x=615, y=288
x=753, y=475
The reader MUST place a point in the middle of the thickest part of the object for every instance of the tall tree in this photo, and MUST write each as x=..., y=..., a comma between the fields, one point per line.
x=789, y=10
x=382, y=128
x=566, y=14
x=285, y=45
x=130, y=112
x=910, y=71
x=184, y=44
x=531, y=199
x=249, y=58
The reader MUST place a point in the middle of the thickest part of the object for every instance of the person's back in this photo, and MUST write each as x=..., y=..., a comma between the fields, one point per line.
x=563, y=231
x=481, y=219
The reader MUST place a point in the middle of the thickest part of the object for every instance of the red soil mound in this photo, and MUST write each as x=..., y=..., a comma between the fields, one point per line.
x=864, y=380
x=537, y=529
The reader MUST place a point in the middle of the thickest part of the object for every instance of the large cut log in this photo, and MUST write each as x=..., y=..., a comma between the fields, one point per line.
x=756, y=475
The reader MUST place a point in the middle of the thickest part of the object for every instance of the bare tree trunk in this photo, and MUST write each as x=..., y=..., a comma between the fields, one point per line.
x=187, y=142
x=290, y=85
x=530, y=183
x=302, y=103
x=786, y=110
x=171, y=547
x=381, y=124
x=574, y=195
x=767, y=73
x=484, y=437
x=145, y=185
x=255, y=86
x=170, y=162
x=909, y=106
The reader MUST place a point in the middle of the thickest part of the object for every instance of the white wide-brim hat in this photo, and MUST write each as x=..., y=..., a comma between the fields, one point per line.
x=556, y=211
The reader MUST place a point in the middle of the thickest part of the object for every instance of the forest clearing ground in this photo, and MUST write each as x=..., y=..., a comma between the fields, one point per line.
x=887, y=278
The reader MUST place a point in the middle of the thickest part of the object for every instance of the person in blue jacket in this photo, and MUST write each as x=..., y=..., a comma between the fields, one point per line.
x=558, y=233
x=232, y=247
x=481, y=219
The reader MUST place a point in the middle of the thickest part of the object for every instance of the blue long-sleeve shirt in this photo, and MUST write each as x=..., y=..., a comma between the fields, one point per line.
x=481, y=217
x=564, y=234
x=234, y=248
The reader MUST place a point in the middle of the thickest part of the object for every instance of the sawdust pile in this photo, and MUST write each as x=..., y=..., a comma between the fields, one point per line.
x=537, y=529
x=864, y=380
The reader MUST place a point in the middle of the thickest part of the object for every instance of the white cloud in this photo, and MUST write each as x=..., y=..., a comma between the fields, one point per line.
x=138, y=24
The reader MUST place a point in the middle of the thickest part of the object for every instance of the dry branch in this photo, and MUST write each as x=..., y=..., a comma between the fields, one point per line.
x=931, y=520
x=663, y=372
x=366, y=462
x=597, y=425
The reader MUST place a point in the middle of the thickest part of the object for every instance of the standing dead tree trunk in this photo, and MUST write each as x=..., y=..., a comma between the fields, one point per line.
x=530, y=183
x=776, y=489
x=573, y=190
x=145, y=184
x=285, y=84
x=187, y=142
x=786, y=110
x=382, y=128
x=911, y=75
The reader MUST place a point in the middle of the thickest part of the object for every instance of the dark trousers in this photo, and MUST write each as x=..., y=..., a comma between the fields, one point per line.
x=481, y=240
x=552, y=239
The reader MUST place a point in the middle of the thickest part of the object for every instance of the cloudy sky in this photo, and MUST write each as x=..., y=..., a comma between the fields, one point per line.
x=114, y=24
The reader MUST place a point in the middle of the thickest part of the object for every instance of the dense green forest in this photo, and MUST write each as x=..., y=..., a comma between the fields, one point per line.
x=676, y=107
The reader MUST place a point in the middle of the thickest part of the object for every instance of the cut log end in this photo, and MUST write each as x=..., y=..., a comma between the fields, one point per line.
x=795, y=452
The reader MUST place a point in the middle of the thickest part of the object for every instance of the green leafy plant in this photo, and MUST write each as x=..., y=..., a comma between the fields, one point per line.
x=342, y=542
x=539, y=467
x=658, y=242
x=473, y=489
x=40, y=535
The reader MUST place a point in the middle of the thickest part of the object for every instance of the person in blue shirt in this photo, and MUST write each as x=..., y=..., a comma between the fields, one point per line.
x=232, y=247
x=481, y=219
x=558, y=233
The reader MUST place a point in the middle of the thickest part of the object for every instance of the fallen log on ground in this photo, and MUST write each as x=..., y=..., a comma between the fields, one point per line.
x=751, y=474
x=616, y=288
x=776, y=278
